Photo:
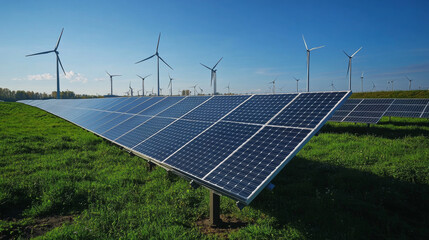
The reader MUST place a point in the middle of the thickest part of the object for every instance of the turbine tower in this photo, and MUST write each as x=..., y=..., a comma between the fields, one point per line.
x=274, y=85
x=409, y=86
x=170, y=85
x=58, y=62
x=308, y=61
x=143, y=78
x=349, y=68
x=195, y=87
x=297, y=80
x=158, y=57
x=213, y=75
x=131, y=89
x=111, y=82
x=361, y=81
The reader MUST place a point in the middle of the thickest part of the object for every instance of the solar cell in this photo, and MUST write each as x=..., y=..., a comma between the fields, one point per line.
x=145, y=105
x=183, y=107
x=124, y=127
x=112, y=123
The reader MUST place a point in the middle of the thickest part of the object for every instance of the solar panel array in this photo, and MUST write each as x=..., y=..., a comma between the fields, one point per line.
x=372, y=110
x=234, y=145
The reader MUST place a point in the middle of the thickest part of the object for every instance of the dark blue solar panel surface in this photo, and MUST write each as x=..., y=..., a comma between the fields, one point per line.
x=215, y=108
x=211, y=147
x=145, y=105
x=124, y=127
x=308, y=109
x=143, y=131
x=260, y=108
x=161, y=106
x=112, y=123
x=224, y=142
x=248, y=167
x=166, y=142
x=183, y=107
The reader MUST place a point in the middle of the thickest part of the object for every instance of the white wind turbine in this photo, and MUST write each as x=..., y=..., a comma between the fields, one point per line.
x=170, y=85
x=111, y=82
x=228, y=89
x=158, y=57
x=195, y=88
x=143, y=78
x=409, y=86
x=297, y=80
x=308, y=61
x=58, y=62
x=373, y=86
x=274, y=85
x=213, y=75
x=361, y=81
x=131, y=89
x=349, y=68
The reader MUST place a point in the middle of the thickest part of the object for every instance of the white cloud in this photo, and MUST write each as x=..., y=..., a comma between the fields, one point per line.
x=38, y=77
x=99, y=79
x=268, y=72
x=75, y=77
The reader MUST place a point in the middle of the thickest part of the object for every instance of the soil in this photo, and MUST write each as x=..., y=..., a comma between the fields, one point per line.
x=229, y=224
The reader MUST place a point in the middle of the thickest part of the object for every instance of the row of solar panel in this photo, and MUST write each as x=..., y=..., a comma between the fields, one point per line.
x=371, y=110
x=230, y=143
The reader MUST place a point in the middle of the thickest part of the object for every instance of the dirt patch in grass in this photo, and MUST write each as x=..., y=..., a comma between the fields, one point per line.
x=36, y=227
x=229, y=224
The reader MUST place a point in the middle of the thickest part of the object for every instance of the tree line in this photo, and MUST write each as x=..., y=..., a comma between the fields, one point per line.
x=12, y=96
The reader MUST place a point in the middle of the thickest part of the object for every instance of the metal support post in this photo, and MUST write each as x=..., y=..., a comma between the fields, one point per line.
x=214, y=209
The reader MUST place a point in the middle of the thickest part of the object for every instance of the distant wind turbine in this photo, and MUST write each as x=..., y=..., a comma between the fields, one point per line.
x=158, y=57
x=308, y=61
x=409, y=86
x=111, y=82
x=228, y=89
x=373, y=86
x=131, y=90
x=195, y=88
x=361, y=81
x=213, y=75
x=332, y=86
x=297, y=80
x=58, y=62
x=170, y=85
x=202, y=91
x=143, y=78
x=160, y=90
x=274, y=85
x=349, y=68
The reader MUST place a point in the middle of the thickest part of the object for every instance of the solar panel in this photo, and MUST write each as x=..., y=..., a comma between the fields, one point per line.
x=362, y=110
x=234, y=145
x=407, y=108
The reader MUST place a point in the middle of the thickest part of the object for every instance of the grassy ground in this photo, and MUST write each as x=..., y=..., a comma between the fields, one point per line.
x=392, y=94
x=350, y=182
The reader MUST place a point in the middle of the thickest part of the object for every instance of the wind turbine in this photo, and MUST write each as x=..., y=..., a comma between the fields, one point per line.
x=332, y=86
x=228, y=89
x=201, y=90
x=409, y=86
x=349, y=69
x=131, y=89
x=274, y=85
x=158, y=57
x=160, y=90
x=195, y=87
x=143, y=78
x=170, y=85
x=213, y=75
x=373, y=86
x=392, y=84
x=308, y=61
x=58, y=62
x=361, y=81
x=111, y=82
x=297, y=80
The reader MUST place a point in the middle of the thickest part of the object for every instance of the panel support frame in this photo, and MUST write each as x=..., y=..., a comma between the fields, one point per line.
x=214, y=218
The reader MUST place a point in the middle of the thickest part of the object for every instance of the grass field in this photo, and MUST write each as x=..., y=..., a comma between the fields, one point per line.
x=349, y=182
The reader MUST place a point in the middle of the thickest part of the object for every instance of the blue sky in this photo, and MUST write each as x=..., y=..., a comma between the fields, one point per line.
x=259, y=40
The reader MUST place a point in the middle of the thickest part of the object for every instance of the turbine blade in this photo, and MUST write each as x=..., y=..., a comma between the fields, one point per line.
x=145, y=59
x=356, y=51
x=40, y=53
x=316, y=48
x=139, y=76
x=108, y=73
x=59, y=60
x=159, y=37
x=165, y=62
x=116, y=75
x=217, y=63
x=304, y=42
x=206, y=66
x=59, y=39
x=169, y=84
x=147, y=76
x=346, y=53
x=348, y=68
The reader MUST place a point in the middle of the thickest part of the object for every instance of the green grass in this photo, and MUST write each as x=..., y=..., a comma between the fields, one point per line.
x=349, y=182
x=392, y=94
